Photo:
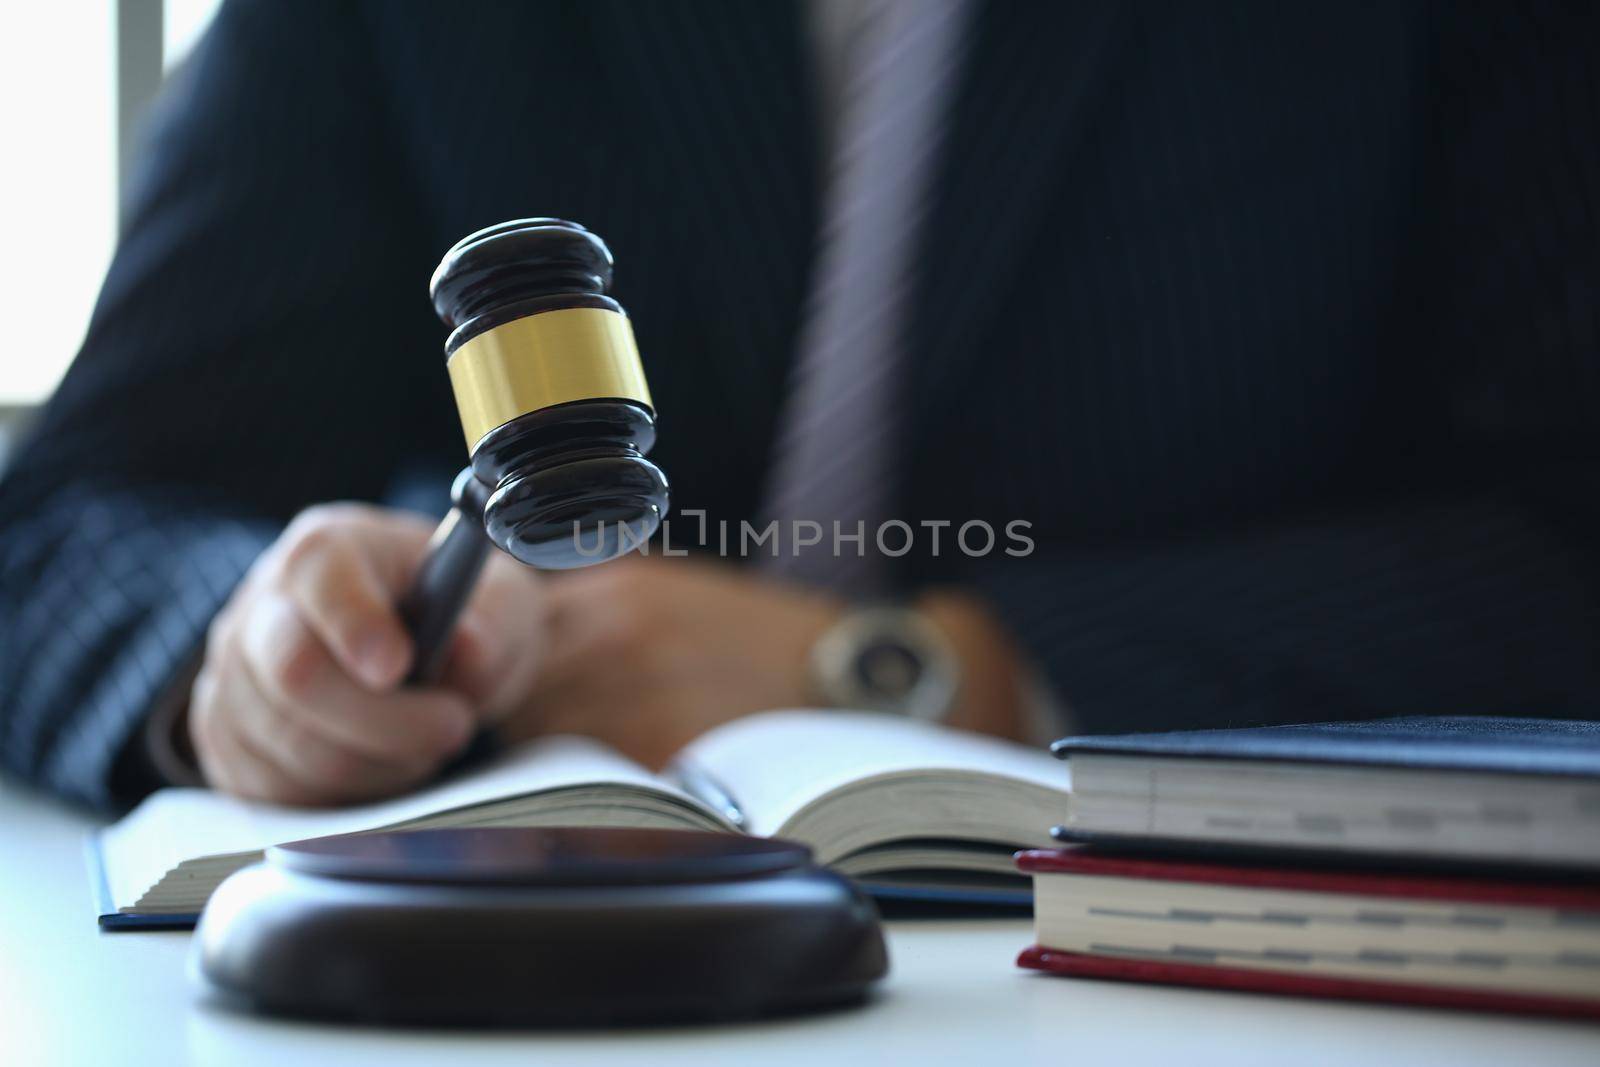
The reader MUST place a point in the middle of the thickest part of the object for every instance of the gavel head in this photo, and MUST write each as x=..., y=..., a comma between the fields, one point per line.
x=551, y=393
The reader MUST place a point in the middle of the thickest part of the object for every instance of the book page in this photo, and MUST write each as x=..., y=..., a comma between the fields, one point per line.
x=775, y=763
x=174, y=825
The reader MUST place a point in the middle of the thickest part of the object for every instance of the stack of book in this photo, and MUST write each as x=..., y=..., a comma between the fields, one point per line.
x=1445, y=861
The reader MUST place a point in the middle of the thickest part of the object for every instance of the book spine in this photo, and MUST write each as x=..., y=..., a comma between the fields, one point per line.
x=1081, y=965
x=1580, y=894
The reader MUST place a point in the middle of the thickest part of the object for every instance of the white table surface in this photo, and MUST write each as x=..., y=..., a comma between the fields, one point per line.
x=72, y=995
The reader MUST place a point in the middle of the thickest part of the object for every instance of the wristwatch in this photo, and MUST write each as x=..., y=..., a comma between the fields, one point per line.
x=886, y=658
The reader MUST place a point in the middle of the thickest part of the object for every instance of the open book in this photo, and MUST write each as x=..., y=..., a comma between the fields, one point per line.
x=908, y=809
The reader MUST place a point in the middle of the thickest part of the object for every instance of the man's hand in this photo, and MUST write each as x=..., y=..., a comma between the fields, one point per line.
x=647, y=654
x=299, y=698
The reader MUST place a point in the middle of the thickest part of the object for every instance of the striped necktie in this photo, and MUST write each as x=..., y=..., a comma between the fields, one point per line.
x=836, y=453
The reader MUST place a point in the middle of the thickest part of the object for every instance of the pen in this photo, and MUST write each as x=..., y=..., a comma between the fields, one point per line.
x=698, y=783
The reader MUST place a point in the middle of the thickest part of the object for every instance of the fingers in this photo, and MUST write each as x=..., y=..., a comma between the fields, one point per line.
x=340, y=569
x=319, y=759
x=298, y=764
x=274, y=718
x=229, y=763
x=303, y=771
x=300, y=701
x=300, y=681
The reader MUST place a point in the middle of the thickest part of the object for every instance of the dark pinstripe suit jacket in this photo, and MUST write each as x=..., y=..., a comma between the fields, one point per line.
x=1278, y=321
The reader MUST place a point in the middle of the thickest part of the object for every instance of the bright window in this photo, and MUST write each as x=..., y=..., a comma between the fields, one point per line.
x=58, y=188
x=185, y=21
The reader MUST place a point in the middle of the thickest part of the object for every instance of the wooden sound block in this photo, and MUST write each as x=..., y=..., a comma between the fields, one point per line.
x=539, y=927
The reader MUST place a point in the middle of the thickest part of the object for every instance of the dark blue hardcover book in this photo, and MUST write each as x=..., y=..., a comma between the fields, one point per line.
x=1448, y=790
x=1501, y=745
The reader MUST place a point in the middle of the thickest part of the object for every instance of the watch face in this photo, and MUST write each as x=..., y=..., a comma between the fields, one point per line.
x=887, y=670
x=885, y=659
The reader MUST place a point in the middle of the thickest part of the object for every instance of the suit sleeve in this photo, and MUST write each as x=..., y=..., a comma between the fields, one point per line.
x=1458, y=606
x=253, y=351
x=1475, y=589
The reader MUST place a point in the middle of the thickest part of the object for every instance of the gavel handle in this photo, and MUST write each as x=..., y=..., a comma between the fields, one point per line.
x=455, y=556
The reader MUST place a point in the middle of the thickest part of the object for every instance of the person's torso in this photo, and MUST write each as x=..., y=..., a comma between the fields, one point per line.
x=1167, y=280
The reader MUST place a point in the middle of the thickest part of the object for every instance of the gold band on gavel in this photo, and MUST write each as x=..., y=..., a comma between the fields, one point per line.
x=542, y=360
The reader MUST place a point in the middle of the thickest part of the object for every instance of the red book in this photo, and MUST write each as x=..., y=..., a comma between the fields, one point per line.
x=1446, y=941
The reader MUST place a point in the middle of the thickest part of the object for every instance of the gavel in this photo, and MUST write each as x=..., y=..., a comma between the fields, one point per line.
x=557, y=416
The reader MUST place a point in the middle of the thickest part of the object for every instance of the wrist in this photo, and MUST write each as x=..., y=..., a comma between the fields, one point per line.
x=990, y=688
